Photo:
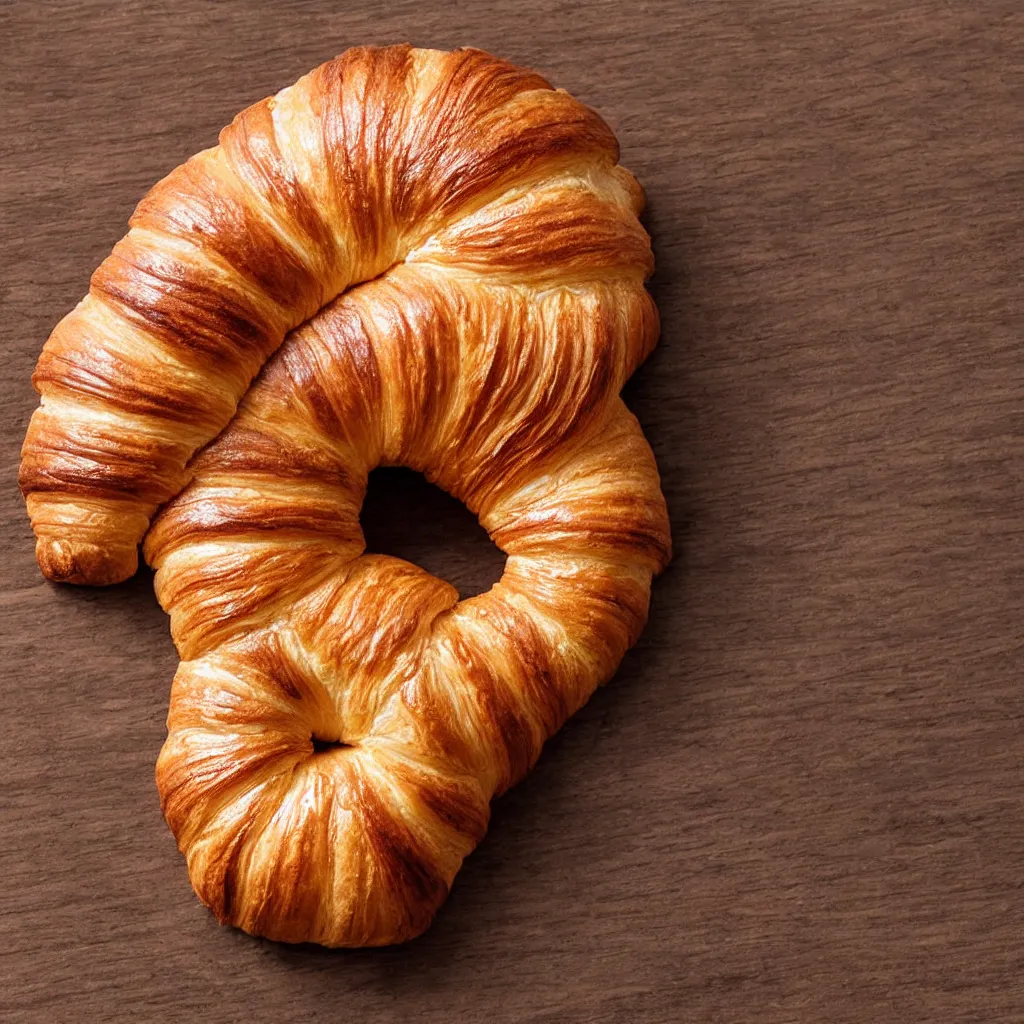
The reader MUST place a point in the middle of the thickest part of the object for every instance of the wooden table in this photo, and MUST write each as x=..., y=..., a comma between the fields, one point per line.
x=802, y=797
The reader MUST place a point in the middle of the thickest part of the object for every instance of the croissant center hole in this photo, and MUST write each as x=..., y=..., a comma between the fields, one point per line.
x=321, y=746
x=406, y=516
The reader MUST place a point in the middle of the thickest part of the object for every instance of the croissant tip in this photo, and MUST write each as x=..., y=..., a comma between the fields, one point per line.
x=63, y=561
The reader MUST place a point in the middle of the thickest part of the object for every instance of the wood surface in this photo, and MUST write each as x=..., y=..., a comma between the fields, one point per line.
x=802, y=797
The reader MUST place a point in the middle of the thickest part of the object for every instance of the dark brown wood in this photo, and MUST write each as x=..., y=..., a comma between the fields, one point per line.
x=802, y=798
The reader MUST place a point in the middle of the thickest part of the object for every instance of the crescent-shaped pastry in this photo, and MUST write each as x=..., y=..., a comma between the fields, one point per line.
x=463, y=255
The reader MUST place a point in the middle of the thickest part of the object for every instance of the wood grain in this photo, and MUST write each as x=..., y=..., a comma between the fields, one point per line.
x=801, y=798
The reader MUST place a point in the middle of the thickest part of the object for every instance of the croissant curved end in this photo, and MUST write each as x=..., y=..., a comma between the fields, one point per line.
x=408, y=257
x=85, y=564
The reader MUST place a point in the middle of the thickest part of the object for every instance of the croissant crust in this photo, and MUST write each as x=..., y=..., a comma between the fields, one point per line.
x=455, y=257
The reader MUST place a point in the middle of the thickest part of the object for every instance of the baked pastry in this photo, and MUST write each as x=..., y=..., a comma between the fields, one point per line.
x=340, y=722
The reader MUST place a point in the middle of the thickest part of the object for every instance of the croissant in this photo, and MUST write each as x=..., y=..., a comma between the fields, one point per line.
x=455, y=258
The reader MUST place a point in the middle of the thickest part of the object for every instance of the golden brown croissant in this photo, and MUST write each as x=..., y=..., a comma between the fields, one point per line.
x=340, y=722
